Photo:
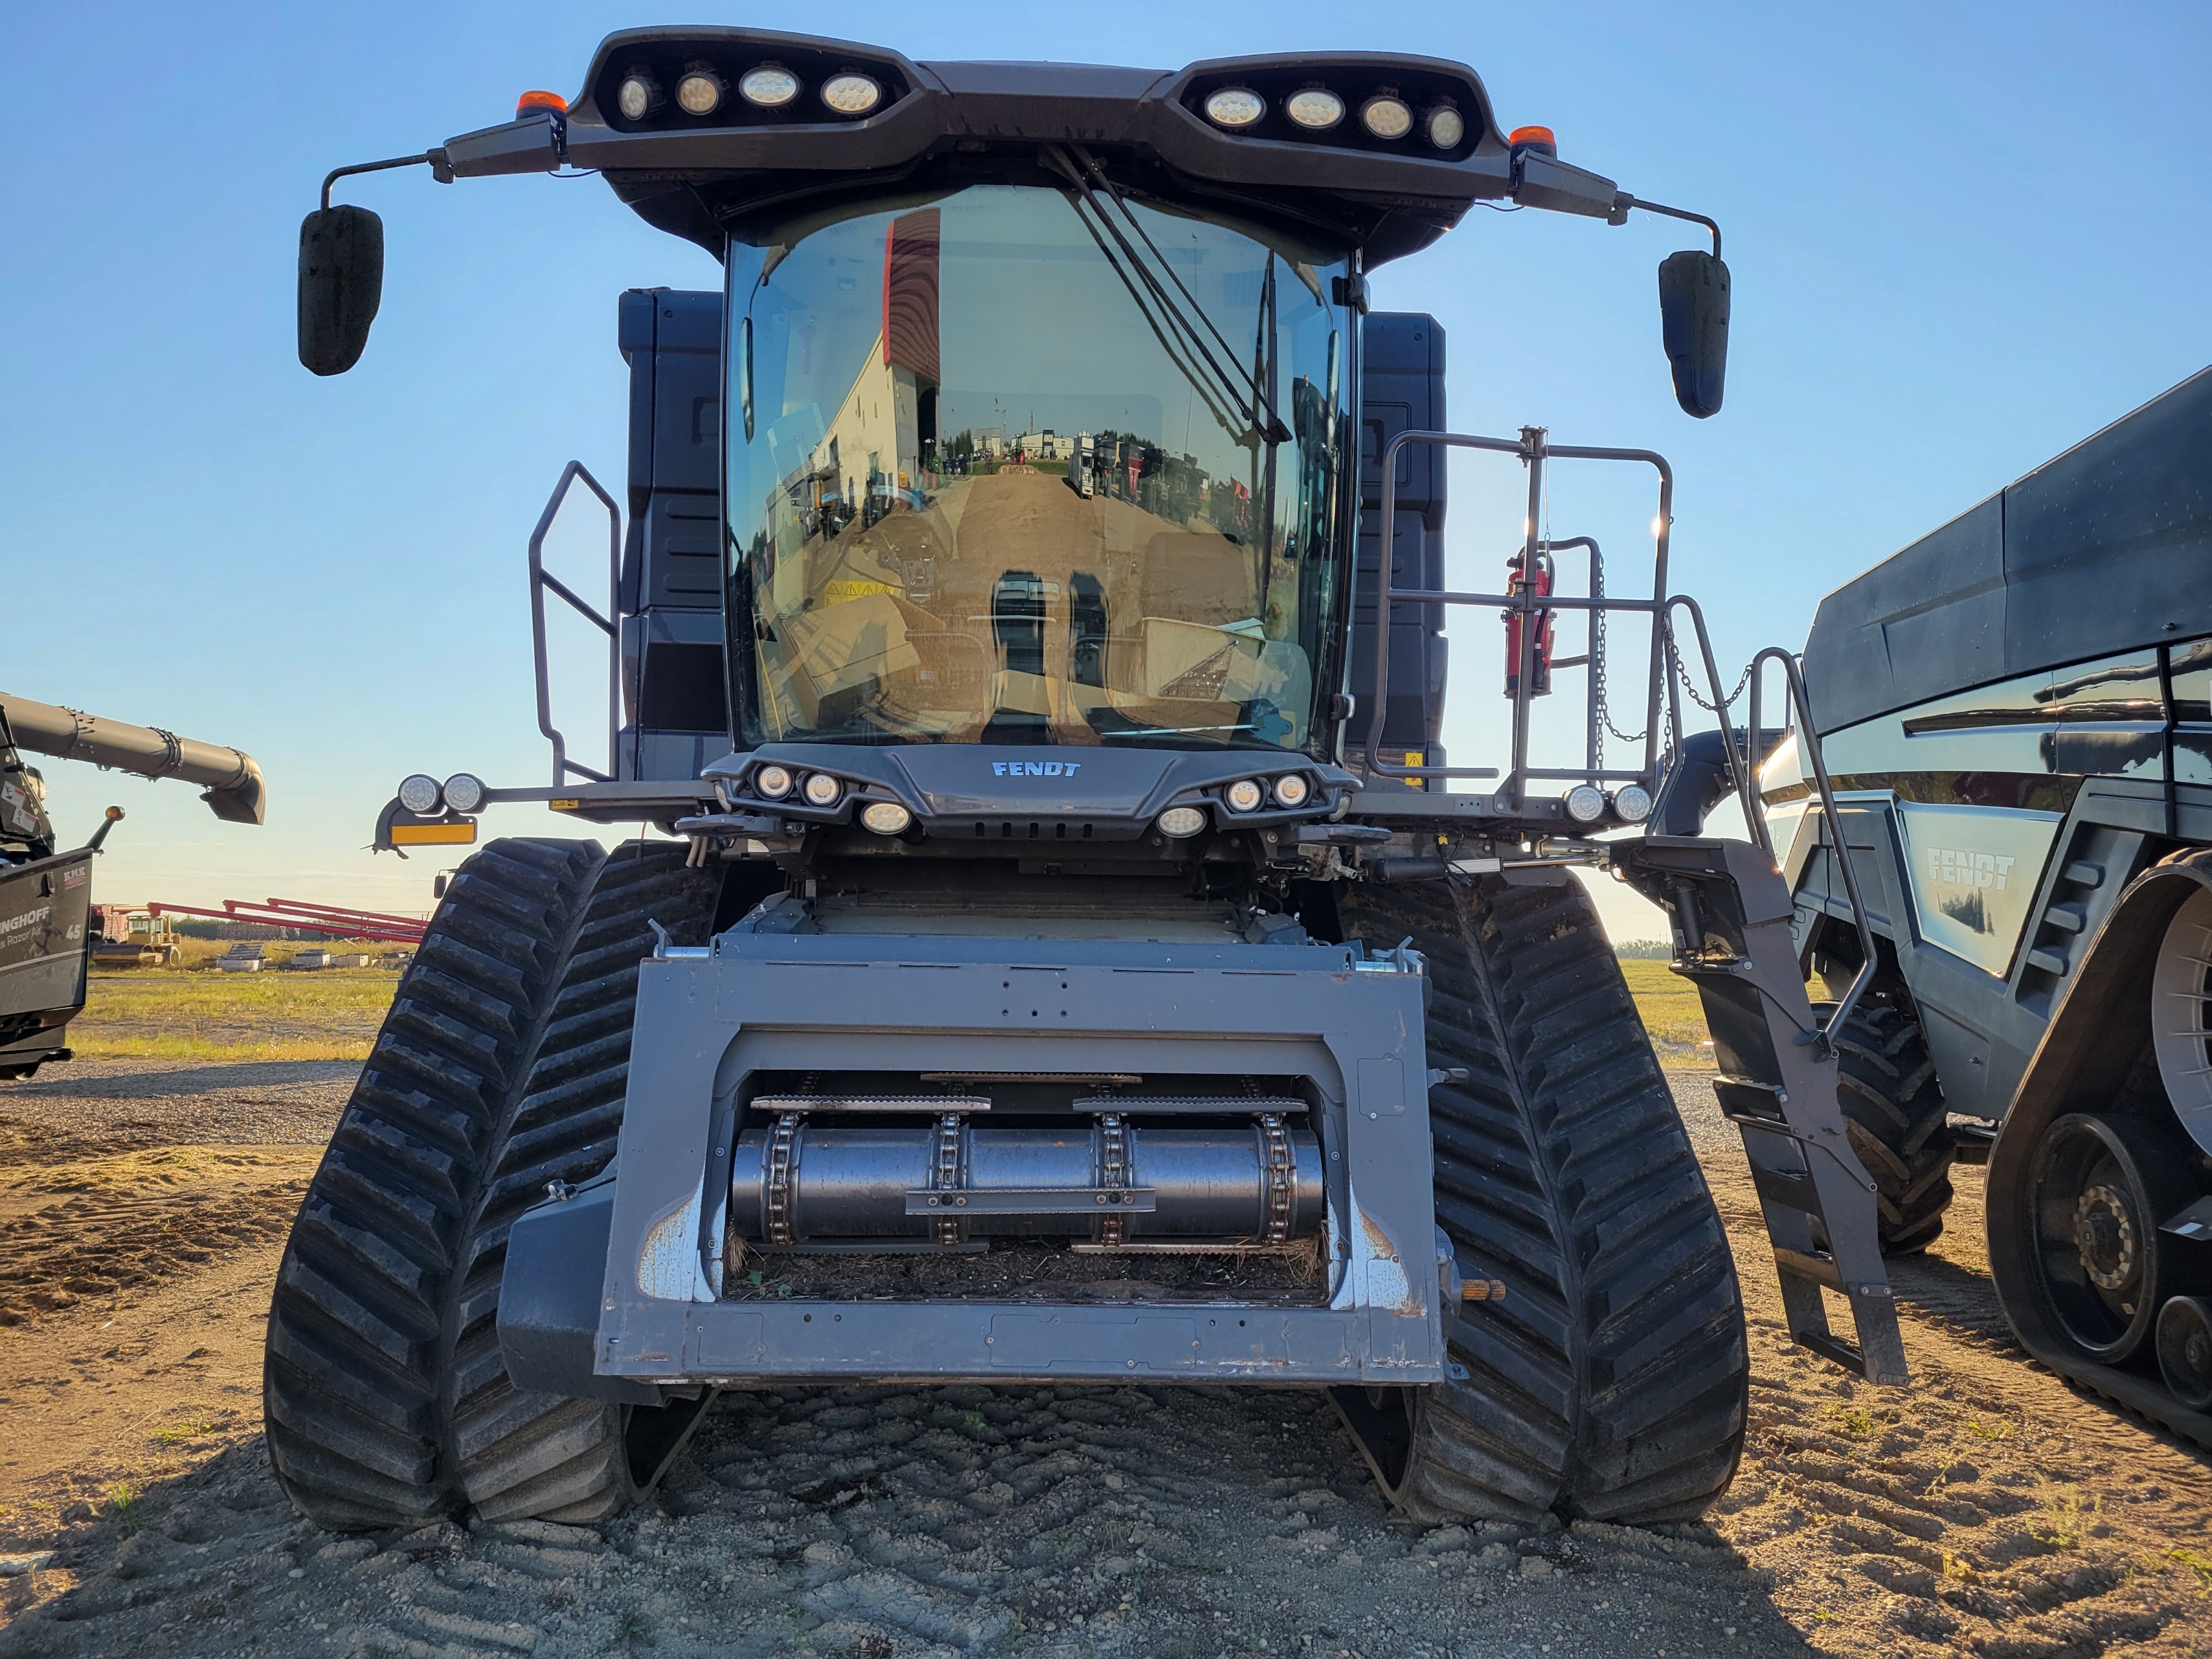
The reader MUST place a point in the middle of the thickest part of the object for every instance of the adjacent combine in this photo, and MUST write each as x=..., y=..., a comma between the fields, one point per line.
x=2018, y=712
x=1067, y=962
x=45, y=891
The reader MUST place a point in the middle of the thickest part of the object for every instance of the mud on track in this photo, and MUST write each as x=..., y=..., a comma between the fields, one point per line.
x=1989, y=1510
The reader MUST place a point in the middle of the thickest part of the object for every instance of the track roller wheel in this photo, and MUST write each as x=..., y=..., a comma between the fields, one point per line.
x=1611, y=1384
x=2099, y=1187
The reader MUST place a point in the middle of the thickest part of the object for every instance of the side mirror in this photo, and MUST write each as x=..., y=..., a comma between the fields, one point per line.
x=1693, y=317
x=438, y=886
x=341, y=281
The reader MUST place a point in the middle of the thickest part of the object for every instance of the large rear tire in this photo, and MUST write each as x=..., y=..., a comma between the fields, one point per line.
x=381, y=1352
x=1612, y=1382
x=1894, y=1113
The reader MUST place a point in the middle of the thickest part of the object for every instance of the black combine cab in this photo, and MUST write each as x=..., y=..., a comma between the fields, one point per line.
x=1066, y=959
x=2017, y=713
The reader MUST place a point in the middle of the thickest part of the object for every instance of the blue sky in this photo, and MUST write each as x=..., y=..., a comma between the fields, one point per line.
x=1962, y=238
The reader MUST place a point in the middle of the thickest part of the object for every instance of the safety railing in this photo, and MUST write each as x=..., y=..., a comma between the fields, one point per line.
x=540, y=581
x=1534, y=450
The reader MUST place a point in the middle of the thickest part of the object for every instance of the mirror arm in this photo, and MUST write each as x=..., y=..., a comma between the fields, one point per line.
x=434, y=159
x=1624, y=202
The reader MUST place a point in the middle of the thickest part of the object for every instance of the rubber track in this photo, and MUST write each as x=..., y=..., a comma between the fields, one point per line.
x=1611, y=1384
x=350, y=1384
x=1898, y=1123
x=535, y=1454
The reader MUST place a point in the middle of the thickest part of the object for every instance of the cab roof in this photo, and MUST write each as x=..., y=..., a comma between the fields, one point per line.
x=739, y=168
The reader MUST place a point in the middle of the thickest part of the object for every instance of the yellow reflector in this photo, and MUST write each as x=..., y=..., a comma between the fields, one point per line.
x=564, y=805
x=433, y=835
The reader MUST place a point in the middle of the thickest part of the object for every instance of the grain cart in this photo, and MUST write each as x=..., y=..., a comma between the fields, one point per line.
x=45, y=891
x=2018, y=712
x=1067, y=964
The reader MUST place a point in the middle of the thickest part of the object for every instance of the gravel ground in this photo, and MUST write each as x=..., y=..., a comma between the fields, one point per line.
x=106, y=1106
x=1986, y=1510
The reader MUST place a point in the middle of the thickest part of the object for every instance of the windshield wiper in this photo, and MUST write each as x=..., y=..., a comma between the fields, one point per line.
x=1251, y=398
x=1221, y=403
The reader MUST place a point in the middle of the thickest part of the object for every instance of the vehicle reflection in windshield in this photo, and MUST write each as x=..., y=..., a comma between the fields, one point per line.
x=990, y=493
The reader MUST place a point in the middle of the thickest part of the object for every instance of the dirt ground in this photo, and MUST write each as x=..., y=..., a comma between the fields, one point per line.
x=1987, y=1510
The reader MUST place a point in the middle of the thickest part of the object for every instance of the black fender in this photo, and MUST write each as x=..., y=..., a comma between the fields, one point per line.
x=549, y=1298
x=2096, y=1037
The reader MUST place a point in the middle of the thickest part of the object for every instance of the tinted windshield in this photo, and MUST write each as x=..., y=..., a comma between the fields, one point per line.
x=1012, y=467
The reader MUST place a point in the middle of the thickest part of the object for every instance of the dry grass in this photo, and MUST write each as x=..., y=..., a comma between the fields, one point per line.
x=195, y=1013
x=1671, y=1012
x=186, y=1015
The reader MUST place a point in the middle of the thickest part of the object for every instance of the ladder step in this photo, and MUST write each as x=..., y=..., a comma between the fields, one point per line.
x=1834, y=1348
x=1729, y=1080
x=1792, y=1190
x=1802, y=1264
x=1699, y=968
x=2049, y=960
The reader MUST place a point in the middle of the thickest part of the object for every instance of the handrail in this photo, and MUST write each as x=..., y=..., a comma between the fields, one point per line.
x=1794, y=677
x=1745, y=788
x=1534, y=449
x=539, y=581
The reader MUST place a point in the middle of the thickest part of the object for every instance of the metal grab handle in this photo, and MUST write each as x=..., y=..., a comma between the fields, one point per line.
x=1801, y=706
x=539, y=581
x=1753, y=824
x=1534, y=450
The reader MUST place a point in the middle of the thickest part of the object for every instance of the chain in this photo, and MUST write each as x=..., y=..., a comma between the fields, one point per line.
x=1275, y=1148
x=1114, y=1176
x=1681, y=673
x=1597, y=659
x=782, y=1153
x=946, y=1174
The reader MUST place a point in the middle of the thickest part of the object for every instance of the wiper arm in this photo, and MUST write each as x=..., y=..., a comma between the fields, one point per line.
x=1251, y=398
x=1262, y=400
x=1220, y=402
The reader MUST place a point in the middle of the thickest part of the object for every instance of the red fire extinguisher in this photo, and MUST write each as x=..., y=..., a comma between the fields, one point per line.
x=1539, y=652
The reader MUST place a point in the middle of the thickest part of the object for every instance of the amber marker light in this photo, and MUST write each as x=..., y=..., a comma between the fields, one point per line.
x=530, y=101
x=1539, y=139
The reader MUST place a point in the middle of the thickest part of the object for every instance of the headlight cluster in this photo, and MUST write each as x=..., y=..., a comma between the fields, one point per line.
x=774, y=783
x=424, y=797
x=1586, y=803
x=701, y=90
x=1287, y=792
x=1387, y=114
x=822, y=791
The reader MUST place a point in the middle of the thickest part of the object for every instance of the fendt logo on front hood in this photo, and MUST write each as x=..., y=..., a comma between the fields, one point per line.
x=1034, y=769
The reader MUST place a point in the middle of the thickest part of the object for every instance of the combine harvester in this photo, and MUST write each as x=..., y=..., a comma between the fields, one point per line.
x=1065, y=895
x=2017, y=710
x=46, y=894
